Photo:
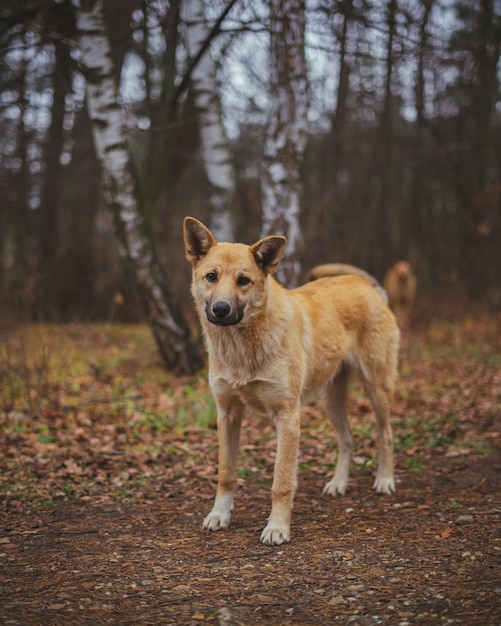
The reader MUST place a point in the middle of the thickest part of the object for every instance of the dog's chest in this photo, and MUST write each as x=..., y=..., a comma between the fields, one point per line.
x=261, y=395
x=238, y=359
x=257, y=397
x=248, y=366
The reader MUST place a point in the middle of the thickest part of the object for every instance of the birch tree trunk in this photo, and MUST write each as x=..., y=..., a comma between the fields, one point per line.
x=286, y=134
x=215, y=148
x=171, y=333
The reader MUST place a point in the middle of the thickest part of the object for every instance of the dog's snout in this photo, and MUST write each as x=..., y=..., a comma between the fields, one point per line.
x=221, y=309
x=223, y=313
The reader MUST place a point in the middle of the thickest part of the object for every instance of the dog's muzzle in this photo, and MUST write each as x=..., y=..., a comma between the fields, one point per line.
x=222, y=314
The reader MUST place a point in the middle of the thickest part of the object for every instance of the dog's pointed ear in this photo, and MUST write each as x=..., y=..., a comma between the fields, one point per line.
x=198, y=239
x=268, y=253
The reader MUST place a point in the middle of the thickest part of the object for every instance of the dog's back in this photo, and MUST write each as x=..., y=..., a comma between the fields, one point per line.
x=344, y=269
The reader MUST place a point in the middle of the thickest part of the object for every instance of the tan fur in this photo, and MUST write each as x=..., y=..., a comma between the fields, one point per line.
x=271, y=348
x=400, y=284
x=341, y=269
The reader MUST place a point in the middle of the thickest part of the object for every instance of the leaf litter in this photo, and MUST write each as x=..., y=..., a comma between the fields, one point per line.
x=108, y=466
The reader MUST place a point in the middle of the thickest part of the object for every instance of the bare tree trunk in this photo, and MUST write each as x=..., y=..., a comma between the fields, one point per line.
x=485, y=84
x=287, y=133
x=160, y=167
x=215, y=148
x=80, y=260
x=49, y=203
x=332, y=211
x=387, y=139
x=20, y=216
x=170, y=331
x=419, y=235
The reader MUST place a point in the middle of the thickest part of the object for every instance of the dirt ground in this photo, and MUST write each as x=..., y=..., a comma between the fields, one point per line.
x=429, y=554
x=362, y=559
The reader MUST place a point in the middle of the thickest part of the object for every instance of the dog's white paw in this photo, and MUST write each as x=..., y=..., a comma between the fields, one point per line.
x=384, y=485
x=335, y=488
x=275, y=534
x=216, y=521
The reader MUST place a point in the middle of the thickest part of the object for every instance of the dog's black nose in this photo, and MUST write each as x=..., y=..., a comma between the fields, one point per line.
x=221, y=309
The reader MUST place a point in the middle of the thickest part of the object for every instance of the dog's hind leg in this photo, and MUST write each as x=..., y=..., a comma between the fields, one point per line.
x=380, y=393
x=335, y=394
x=229, y=420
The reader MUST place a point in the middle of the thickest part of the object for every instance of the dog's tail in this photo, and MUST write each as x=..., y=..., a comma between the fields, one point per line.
x=341, y=269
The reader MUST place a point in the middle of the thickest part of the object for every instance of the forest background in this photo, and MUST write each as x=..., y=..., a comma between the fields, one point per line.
x=120, y=117
x=402, y=158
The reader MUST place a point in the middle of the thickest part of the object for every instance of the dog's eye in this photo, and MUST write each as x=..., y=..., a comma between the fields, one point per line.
x=242, y=281
x=211, y=277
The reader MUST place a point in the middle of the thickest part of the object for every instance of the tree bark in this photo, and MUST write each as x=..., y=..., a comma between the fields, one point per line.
x=387, y=141
x=332, y=211
x=49, y=203
x=20, y=216
x=160, y=168
x=485, y=84
x=170, y=330
x=286, y=134
x=419, y=240
x=215, y=147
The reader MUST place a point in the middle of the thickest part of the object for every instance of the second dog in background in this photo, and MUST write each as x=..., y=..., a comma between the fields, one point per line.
x=400, y=284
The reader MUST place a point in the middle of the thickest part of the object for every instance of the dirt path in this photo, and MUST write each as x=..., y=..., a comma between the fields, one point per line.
x=431, y=554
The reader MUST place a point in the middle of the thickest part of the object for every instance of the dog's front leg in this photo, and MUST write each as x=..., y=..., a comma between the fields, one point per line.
x=277, y=530
x=229, y=420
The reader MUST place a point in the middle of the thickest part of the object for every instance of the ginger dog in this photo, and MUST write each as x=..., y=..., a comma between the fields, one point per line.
x=400, y=284
x=270, y=347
